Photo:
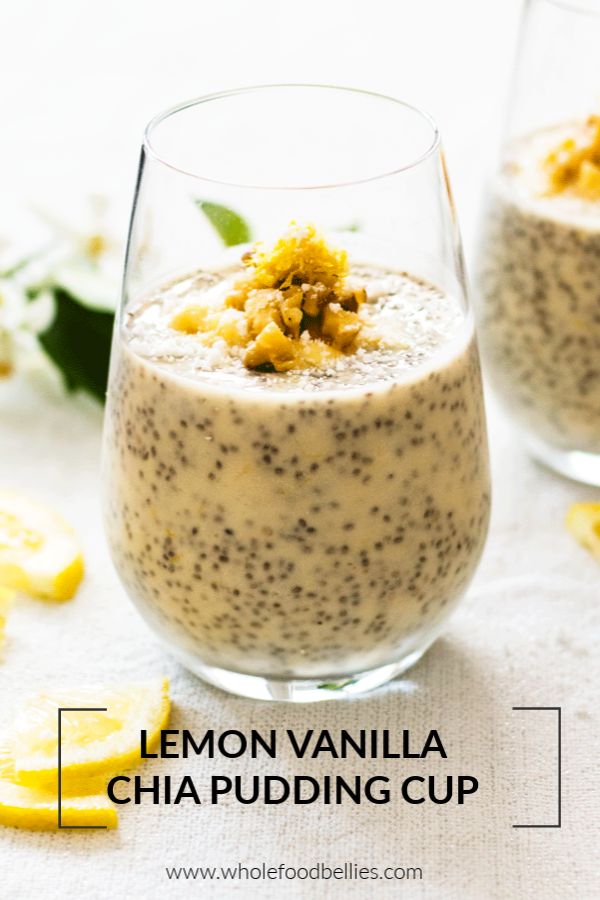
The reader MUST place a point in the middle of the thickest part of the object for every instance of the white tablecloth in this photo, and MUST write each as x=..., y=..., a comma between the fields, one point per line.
x=527, y=635
x=80, y=80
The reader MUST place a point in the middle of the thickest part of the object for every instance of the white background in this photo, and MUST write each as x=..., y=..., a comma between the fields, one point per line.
x=78, y=82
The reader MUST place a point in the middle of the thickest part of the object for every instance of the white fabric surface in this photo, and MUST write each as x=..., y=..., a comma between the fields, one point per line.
x=526, y=635
x=84, y=81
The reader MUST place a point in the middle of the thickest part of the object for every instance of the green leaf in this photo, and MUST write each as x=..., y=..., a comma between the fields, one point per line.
x=336, y=685
x=229, y=225
x=78, y=342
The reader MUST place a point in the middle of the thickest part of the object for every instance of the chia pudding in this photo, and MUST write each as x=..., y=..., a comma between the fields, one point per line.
x=308, y=523
x=539, y=299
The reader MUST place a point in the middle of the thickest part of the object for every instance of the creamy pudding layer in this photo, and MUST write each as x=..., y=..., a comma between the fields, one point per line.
x=539, y=313
x=304, y=523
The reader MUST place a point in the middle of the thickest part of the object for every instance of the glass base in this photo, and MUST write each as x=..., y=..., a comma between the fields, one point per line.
x=301, y=690
x=574, y=464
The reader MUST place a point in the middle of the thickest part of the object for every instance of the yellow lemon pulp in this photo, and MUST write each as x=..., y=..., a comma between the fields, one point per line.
x=37, y=810
x=93, y=744
x=14, y=535
x=39, y=553
x=583, y=521
x=6, y=599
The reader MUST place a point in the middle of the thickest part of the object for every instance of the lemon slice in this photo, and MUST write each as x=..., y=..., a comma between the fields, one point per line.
x=92, y=743
x=6, y=598
x=583, y=521
x=39, y=553
x=23, y=807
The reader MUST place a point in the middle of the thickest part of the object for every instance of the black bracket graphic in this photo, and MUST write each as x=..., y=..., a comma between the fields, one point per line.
x=558, y=710
x=61, y=710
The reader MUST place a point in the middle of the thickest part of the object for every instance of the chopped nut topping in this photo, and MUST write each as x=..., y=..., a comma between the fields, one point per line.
x=575, y=164
x=295, y=307
x=272, y=347
x=190, y=320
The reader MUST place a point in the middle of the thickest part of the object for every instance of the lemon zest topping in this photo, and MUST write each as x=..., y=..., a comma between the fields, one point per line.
x=295, y=307
x=575, y=163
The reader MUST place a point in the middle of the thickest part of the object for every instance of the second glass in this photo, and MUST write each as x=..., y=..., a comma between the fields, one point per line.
x=538, y=279
x=295, y=460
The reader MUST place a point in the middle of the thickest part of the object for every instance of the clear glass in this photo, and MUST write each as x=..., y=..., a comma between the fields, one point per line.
x=538, y=272
x=296, y=535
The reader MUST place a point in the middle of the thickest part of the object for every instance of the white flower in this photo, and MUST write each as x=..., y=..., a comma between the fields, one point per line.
x=68, y=263
x=21, y=320
x=88, y=244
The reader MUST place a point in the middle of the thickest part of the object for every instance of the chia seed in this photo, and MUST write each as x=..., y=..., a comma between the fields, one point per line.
x=265, y=561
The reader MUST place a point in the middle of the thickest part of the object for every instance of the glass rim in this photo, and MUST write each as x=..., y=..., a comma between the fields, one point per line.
x=163, y=116
x=577, y=6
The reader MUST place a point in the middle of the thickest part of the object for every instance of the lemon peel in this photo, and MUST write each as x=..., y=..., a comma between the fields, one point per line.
x=93, y=744
x=583, y=521
x=39, y=553
x=37, y=810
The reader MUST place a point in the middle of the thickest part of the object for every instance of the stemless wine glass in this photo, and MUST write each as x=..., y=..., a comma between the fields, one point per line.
x=538, y=278
x=299, y=534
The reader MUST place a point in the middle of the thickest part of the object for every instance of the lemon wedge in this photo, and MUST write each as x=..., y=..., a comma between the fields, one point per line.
x=39, y=553
x=6, y=598
x=92, y=743
x=583, y=521
x=24, y=807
